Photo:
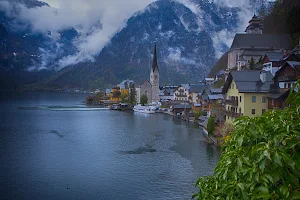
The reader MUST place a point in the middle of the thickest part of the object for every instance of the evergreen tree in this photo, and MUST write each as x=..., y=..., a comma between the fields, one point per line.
x=144, y=99
x=132, y=95
x=251, y=64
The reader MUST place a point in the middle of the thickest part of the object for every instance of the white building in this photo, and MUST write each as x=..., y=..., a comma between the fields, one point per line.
x=181, y=93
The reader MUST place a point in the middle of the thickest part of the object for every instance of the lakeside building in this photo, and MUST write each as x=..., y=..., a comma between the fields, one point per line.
x=209, y=97
x=154, y=78
x=246, y=93
x=125, y=86
x=181, y=93
x=150, y=87
x=167, y=93
x=254, y=44
x=194, y=92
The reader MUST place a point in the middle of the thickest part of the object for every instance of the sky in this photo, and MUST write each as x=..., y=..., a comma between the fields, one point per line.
x=98, y=20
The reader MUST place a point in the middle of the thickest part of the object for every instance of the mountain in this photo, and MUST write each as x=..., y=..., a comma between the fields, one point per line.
x=27, y=56
x=185, y=39
x=190, y=36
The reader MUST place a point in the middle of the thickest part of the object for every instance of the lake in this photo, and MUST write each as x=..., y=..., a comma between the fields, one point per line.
x=53, y=147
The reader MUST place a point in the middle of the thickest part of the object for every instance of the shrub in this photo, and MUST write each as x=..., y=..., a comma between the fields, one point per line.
x=261, y=159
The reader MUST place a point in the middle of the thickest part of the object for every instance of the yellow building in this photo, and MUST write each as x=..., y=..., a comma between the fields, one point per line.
x=115, y=94
x=246, y=93
x=125, y=86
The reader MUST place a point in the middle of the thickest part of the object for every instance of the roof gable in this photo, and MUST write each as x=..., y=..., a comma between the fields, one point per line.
x=248, y=81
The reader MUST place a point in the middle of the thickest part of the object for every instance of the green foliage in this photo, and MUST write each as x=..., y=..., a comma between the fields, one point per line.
x=199, y=113
x=144, y=99
x=220, y=83
x=132, y=95
x=251, y=64
x=211, y=125
x=124, y=98
x=261, y=159
x=284, y=18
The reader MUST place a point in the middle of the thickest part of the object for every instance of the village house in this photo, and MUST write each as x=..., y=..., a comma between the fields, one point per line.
x=179, y=109
x=125, y=86
x=284, y=80
x=181, y=93
x=209, y=97
x=167, y=93
x=246, y=93
x=254, y=44
x=209, y=81
x=194, y=92
x=272, y=61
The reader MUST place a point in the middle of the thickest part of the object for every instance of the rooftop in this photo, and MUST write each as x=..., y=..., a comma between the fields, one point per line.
x=248, y=81
x=262, y=41
x=274, y=56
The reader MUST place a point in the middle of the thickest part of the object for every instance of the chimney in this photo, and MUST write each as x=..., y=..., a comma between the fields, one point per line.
x=263, y=76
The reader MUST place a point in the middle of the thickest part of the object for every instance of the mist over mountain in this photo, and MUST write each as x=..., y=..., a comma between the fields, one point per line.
x=191, y=36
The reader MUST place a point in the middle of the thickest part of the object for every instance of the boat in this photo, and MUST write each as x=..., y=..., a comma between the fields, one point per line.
x=143, y=109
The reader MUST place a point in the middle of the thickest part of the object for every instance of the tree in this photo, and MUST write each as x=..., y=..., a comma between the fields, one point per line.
x=211, y=125
x=261, y=159
x=144, y=99
x=132, y=94
x=251, y=64
x=124, y=98
x=198, y=114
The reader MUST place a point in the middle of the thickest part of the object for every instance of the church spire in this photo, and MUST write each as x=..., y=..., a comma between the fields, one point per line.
x=154, y=64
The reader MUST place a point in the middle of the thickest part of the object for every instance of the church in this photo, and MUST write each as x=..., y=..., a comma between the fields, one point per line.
x=151, y=88
x=255, y=44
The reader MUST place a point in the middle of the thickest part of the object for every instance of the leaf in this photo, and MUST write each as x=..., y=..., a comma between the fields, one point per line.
x=240, y=140
x=277, y=159
x=263, y=190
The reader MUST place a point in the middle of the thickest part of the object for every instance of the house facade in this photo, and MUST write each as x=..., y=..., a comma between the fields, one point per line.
x=181, y=93
x=246, y=93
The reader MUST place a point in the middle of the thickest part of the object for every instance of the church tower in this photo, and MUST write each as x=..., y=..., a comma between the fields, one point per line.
x=255, y=26
x=154, y=78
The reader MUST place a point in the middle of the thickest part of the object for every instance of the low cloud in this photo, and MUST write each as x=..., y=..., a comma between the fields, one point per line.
x=97, y=21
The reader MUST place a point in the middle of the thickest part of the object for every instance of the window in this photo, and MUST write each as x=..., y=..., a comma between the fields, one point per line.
x=253, y=112
x=240, y=110
x=263, y=99
x=253, y=99
x=289, y=85
x=263, y=111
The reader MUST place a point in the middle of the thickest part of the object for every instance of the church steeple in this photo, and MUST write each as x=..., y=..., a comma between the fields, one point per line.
x=154, y=64
x=255, y=26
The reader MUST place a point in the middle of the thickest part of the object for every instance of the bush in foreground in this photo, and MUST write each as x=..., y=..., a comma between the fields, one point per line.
x=261, y=160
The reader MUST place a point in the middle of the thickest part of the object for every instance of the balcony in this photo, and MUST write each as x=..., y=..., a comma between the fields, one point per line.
x=286, y=78
x=233, y=114
x=232, y=102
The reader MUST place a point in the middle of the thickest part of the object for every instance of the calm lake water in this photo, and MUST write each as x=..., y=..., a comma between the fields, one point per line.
x=53, y=147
